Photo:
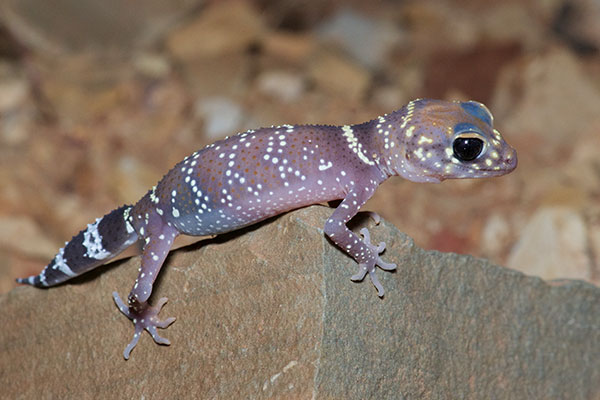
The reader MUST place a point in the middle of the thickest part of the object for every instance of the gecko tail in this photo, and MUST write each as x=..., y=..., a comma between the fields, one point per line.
x=95, y=245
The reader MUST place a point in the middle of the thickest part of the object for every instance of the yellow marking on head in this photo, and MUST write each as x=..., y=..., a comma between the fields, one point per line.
x=488, y=162
x=409, y=131
x=419, y=152
x=494, y=154
x=424, y=139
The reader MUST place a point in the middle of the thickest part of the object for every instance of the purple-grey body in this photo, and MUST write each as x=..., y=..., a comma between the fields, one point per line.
x=254, y=175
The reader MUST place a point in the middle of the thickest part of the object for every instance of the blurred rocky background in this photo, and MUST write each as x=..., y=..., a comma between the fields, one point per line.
x=99, y=99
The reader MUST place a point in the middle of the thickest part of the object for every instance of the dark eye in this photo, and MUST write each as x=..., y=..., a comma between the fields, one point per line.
x=467, y=148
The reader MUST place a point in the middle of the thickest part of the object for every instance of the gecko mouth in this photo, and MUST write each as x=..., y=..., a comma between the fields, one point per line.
x=501, y=166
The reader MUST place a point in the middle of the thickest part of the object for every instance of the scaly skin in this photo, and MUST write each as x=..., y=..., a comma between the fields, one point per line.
x=257, y=174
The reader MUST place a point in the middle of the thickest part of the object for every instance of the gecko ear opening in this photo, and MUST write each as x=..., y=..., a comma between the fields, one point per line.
x=467, y=148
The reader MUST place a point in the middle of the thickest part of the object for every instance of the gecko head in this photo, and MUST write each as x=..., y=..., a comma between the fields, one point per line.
x=444, y=140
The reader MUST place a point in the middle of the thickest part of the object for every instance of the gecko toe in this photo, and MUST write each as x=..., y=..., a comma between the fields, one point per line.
x=157, y=338
x=385, y=266
x=165, y=323
x=121, y=305
x=366, y=235
x=376, y=283
x=374, y=216
x=161, y=302
x=360, y=274
x=131, y=345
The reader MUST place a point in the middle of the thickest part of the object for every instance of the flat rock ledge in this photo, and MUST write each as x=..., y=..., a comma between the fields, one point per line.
x=270, y=312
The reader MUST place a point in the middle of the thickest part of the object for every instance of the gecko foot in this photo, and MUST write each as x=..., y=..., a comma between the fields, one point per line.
x=369, y=267
x=145, y=317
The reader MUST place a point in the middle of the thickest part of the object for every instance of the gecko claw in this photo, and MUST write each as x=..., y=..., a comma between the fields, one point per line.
x=374, y=216
x=143, y=317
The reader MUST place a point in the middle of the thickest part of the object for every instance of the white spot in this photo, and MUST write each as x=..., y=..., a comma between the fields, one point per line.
x=424, y=139
x=324, y=167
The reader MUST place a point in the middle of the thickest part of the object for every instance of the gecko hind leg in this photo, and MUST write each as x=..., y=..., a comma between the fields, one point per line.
x=158, y=239
x=146, y=318
x=363, y=268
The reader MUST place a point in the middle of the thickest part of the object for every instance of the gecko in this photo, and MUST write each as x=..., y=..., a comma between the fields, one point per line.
x=257, y=174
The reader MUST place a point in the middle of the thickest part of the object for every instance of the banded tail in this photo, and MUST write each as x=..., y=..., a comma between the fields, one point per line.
x=99, y=242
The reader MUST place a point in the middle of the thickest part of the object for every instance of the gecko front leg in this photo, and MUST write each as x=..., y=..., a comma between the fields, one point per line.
x=365, y=253
x=158, y=239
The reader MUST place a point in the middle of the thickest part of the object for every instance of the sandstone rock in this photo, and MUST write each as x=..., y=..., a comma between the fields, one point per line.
x=338, y=75
x=367, y=40
x=549, y=95
x=592, y=219
x=152, y=65
x=221, y=28
x=221, y=116
x=13, y=94
x=496, y=235
x=506, y=22
x=270, y=312
x=76, y=25
x=283, y=85
x=291, y=47
x=14, y=228
x=576, y=23
x=553, y=245
x=582, y=169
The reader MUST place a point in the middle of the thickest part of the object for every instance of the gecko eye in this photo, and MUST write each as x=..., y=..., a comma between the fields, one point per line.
x=467, y=148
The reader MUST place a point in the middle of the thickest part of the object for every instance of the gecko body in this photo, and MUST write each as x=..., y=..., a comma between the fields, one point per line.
x=257, y=174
